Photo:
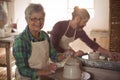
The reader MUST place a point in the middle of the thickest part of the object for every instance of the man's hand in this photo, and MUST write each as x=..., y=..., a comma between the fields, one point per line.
x=79, y=53
x=113, y=56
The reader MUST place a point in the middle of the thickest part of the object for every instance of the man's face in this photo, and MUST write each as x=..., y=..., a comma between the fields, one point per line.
x=83, y=22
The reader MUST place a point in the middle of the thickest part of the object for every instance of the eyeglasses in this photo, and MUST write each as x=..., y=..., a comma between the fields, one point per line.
x=37, y=19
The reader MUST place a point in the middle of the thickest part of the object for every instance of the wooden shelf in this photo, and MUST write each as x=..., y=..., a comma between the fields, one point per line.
x=114, y=26
x=3, y=66
x=3, y=60
x=3, y=74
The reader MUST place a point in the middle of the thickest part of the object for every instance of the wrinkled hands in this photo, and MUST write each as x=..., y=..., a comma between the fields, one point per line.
x=73, y=53
x=52, y=67
x=69, y=52
x=48, y=70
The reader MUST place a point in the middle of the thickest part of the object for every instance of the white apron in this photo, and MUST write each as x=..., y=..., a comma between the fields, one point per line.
x=38, y=59
x=64, y=43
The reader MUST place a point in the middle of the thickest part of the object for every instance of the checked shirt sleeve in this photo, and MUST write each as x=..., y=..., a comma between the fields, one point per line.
x=20, y=52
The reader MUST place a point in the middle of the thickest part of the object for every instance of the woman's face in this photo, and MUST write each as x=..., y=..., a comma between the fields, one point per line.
x=36, y=22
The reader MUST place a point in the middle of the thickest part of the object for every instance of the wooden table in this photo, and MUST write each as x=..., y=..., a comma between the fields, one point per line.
x=7, y=44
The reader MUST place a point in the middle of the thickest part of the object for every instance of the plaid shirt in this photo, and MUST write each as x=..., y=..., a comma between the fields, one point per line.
x=22, y=50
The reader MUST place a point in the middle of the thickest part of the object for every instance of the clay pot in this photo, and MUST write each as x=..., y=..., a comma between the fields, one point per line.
x=72, y=69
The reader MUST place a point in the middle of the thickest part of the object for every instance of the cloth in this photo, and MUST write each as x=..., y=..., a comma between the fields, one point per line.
x=37, y=60
x=64, y=42
x=40, y=55
x=19, y=77
x=22, y=50
x=58, y=31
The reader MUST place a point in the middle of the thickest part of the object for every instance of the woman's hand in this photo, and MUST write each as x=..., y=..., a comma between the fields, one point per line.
x=52, y=67
x=48, y=70
x=43, y=72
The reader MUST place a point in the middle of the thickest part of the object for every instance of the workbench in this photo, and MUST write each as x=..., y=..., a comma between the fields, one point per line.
x=7, y=42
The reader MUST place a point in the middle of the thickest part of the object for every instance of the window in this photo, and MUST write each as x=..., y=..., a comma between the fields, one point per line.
x=62, y=9
x=88, y=4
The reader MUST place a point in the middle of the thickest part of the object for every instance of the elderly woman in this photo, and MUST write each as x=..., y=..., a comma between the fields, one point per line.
x=32, y=48
x=65, y=32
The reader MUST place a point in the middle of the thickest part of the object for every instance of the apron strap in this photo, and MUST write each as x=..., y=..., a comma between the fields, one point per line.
x=67, y=30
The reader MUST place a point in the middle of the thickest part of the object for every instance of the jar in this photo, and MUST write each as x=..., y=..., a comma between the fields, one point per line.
x=72, y=69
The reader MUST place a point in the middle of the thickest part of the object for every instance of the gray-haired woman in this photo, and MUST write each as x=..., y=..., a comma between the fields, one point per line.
x=32, y=48
x=66, y=31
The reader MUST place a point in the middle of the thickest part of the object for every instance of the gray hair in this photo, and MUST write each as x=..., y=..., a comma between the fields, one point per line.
x=33, y=8
x=83, y=13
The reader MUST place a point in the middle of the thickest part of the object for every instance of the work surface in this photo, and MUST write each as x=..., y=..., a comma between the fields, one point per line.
x=98, y=69
x=96, y=74
x=7, y=42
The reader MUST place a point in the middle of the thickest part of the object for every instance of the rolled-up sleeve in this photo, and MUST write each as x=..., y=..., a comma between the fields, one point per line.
x=84, y=37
